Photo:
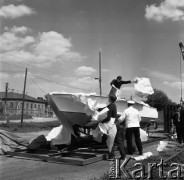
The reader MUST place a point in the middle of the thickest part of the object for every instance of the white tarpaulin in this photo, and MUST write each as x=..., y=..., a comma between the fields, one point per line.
x=144, y=156
x=143, y=87
x=59, y=135
x=108, y=128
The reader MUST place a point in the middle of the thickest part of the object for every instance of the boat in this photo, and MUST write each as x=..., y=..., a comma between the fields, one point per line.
x=77, y=108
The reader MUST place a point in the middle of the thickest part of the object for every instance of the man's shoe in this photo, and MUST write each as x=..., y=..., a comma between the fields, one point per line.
x=130, y=153
x=122, y=157
x=111, y=157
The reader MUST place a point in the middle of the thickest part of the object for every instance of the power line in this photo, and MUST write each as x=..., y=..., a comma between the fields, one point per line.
x=37, y=85
x=46, y=79
x=59, y=83
x=34, y=68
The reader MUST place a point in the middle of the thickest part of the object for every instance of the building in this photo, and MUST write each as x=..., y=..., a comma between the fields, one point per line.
x=32, y=106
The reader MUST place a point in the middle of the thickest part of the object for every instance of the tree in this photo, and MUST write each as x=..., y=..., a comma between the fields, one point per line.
x=159, y=100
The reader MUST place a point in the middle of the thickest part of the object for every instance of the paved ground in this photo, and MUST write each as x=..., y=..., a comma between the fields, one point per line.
x=26, y=169
x=29, y=169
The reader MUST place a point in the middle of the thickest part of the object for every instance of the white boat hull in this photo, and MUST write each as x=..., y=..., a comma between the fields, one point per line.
x=69, y=108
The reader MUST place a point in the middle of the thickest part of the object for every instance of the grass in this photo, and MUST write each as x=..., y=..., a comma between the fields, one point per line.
x=15, y=117
x=29, y=126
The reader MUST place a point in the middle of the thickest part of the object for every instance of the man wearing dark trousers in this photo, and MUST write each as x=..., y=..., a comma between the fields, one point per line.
x=119, y=140
x=181, y=125
x=111, y=110
x=176, y=122
x=132, y=122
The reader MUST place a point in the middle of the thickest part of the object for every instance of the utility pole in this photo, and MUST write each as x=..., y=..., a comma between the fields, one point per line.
x=22, y=117
x=100, y=74
x=5, y=103
x=181, y=54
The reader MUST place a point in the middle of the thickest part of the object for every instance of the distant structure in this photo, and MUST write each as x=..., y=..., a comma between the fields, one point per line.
x=32, y=106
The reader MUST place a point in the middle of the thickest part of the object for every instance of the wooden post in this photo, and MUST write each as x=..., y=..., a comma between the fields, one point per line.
x=5, y=104
x=22, y=116
x=100, y=74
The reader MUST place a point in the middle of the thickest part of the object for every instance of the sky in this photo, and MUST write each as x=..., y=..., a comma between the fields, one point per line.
x=59, y=43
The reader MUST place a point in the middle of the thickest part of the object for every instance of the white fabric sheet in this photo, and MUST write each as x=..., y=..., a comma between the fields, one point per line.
x=144, y=156
x=143, y=87
x=59, y=135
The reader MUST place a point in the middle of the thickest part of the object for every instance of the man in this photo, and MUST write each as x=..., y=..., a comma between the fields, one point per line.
x=119, y=140
x=181, y=125
x=111, y=109
x=108, y=123
x=116, y=85
x=132, y=122
x=176, y=122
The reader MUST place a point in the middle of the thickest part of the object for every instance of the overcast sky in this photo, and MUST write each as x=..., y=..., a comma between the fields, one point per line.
x=59, y=42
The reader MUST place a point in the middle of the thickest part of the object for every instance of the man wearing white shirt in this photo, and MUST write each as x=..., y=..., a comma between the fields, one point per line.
x=132, y=122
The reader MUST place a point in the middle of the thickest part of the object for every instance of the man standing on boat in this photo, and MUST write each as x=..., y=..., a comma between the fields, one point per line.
x=116, y=85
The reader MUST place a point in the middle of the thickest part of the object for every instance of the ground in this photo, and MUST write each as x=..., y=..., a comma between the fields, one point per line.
x=18, y=168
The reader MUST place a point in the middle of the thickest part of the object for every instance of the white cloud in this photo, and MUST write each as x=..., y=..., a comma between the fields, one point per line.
x=4, y=75
x=168, y=9
x=160, y=75
x=175, y=85
x=11, y=11
x=85, y=83
x=42, y=50
x=52, y=44
x=167, y=79
x=9, y=41
x=84, y=71
x=16, y=29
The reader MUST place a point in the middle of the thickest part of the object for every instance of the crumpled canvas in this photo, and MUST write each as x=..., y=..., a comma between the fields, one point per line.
x=143, y=135
x=10, y=141
x=108, y=128
x=97, y=134
x=143, y=87
x=59, y=135
x=162, y=146
x=144, y=156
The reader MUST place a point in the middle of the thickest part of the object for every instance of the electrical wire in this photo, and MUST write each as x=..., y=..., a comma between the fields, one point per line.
x=46, y=79
x=62, y=84
x=38, y=86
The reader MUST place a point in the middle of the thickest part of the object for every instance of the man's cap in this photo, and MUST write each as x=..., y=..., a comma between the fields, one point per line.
x=131, y=102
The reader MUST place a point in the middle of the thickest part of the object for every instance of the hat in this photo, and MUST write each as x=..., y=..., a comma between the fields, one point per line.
x=131, y=102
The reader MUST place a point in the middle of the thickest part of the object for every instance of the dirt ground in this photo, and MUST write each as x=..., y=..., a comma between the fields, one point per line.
x=12, y=168
x=16, y=168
